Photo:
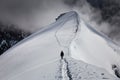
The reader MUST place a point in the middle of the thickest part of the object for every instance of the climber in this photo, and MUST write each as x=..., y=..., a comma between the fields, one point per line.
x=62, y=54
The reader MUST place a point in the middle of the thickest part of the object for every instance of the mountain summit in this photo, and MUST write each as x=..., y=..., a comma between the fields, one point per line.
x=88, y=54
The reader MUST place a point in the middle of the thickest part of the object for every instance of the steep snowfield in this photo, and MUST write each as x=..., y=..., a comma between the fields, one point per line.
x=38, y=56
x=94, y=48
x=83, y=71
x=49, y=71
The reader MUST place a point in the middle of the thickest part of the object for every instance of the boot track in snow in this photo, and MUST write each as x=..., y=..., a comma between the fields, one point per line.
x=66, y=75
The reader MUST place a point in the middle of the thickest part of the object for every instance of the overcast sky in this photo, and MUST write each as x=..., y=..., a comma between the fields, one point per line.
x=31, y=13
x=34, y=14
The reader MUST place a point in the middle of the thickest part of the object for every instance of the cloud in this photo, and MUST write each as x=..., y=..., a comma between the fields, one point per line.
x=31, y=14
x=34, y=14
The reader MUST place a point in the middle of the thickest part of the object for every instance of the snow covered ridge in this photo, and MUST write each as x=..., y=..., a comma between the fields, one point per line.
x=38, y=56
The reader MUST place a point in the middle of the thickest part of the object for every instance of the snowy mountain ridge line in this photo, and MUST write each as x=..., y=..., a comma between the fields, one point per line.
x=110, y=42
x=72, y=36
x=61, y=21
x=94, y=49
x=19, y=53
x=19, y=62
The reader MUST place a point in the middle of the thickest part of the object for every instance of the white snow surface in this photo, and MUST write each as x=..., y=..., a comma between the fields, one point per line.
x=83, y=71
x=38, y=56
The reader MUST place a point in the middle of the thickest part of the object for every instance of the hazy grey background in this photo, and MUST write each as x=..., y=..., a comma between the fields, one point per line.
x=32, y=15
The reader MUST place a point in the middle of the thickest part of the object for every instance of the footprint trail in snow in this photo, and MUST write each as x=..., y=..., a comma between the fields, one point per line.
x=65, y=71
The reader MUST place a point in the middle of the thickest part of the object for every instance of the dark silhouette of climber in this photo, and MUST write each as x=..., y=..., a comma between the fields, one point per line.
x=62, y=54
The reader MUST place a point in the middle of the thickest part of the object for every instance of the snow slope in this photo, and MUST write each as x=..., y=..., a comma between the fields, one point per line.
x=83, y=71
x=95, y=48
x=37, y=57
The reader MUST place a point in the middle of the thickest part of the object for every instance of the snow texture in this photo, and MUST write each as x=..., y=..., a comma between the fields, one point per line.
x=82, y=71
x=38, y=56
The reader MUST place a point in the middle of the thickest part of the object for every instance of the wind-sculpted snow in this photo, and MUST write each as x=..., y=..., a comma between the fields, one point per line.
x=37, y=57
x=93, y=48
x=38, y=49
x=67, y=32
x=82, y=71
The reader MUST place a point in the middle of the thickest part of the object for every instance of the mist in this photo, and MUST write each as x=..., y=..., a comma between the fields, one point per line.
x=32, y=15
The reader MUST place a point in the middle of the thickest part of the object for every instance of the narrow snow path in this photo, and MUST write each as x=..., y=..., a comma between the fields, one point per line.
x=64, y=71
x=66, y=75
x=64, y=36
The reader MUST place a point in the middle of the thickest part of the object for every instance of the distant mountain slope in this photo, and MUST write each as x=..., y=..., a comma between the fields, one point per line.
x=9, y=36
